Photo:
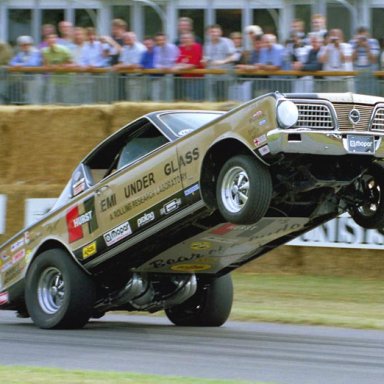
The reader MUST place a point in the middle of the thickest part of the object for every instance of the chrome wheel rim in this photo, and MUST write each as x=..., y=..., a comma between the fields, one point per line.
x=235, y=189
x=373, y=193
x=51, y=290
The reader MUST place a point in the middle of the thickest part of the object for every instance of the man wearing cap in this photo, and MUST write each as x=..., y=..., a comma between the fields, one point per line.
x=27, y=87
x=28, y=55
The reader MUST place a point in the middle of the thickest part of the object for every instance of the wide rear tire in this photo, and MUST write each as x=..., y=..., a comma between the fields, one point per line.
x=210, y=306
x=370, y=187
x=58, y=293
x=243, y=190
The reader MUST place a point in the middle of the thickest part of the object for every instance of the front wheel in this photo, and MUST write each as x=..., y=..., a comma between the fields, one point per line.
x=210, y=306
x=370, y=190
x=58, y=293
x=243, y=190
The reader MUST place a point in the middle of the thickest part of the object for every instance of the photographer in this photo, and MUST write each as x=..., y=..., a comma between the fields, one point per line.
x=336, y=56
x=365, y=56
x=365, y=51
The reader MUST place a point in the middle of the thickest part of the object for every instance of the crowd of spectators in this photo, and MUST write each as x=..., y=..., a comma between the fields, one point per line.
x=251, y=51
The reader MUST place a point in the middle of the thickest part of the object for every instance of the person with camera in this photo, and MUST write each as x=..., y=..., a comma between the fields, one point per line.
x=336, y=55
x=366, y=51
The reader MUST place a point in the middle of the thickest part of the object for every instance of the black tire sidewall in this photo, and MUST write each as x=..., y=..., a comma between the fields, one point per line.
x=210, y=306
x=260, y=191
x=79, y=295
x=376, y=220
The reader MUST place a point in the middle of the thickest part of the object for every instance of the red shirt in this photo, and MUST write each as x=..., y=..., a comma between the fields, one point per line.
x=192, y=54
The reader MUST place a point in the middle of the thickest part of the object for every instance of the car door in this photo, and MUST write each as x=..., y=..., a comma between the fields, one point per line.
x=136, y=198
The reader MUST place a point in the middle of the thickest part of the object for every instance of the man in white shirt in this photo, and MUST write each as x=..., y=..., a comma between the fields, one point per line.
x=129, y=59
x=336, y=56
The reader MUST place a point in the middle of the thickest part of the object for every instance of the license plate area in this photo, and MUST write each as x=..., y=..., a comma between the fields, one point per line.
x=361, y=144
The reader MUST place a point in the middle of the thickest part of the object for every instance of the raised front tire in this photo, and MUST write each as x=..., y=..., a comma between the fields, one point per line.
x=58, y=293
x=243, y=190
x=210, y=306
x=370, y=189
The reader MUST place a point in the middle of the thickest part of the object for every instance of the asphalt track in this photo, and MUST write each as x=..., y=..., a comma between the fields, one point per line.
x=284, y=354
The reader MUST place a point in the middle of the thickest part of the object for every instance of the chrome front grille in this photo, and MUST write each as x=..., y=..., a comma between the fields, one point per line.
x=378, y=119
x=342, y=114
x=314, y=116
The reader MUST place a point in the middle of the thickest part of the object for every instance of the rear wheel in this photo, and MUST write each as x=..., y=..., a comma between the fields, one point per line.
x=58, y=294
x=370, y=189
x=210, y=306
x=244, y=190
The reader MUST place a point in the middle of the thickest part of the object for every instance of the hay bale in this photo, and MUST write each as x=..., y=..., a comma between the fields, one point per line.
x=48, y=142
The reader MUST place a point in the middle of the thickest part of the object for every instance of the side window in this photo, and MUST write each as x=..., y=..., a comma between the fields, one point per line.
x=146, y=141
x=125, y=147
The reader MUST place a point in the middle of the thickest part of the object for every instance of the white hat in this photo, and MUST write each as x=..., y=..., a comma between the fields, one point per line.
x=254, y=29
x=24, y=40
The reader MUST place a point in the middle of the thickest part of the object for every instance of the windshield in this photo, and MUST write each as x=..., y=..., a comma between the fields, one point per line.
x=183, y=123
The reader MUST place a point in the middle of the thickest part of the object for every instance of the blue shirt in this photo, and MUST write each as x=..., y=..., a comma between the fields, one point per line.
x=272, y=56
x=148, y=59
x=32, y=58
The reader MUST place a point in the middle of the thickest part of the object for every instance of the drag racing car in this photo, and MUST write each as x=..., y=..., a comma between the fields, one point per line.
x=158, y=215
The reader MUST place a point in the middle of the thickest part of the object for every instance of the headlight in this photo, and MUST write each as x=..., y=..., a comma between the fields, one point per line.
x=287, y=114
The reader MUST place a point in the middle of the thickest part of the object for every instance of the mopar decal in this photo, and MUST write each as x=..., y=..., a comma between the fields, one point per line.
x=118, y=233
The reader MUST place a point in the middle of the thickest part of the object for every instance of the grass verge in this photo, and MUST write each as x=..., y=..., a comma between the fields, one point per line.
x=29, y=375
x=333, y=301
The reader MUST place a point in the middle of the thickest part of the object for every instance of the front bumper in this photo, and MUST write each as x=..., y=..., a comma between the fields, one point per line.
x=333, y=143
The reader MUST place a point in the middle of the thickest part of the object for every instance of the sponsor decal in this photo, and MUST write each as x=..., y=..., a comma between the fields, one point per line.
x=264, y=150
x=260, y=140
x=192, y=189
x=145, y=219
x=262, y=122
x=75, y=220
x=161, y=263
x=4, y=298
x=256, y=116
x=89, y=206
x=27, y=238
x=14, y=272
x=18, y=256
x=200, y=245
x=3, y=259
x=79, y=186
x=171, y=206
x=118, y=233
x=89, y=250
x=74, y=232
x=17, y=245
x=190, y=267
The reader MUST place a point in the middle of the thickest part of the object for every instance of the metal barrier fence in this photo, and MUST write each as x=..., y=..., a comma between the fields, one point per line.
x=74, y=86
